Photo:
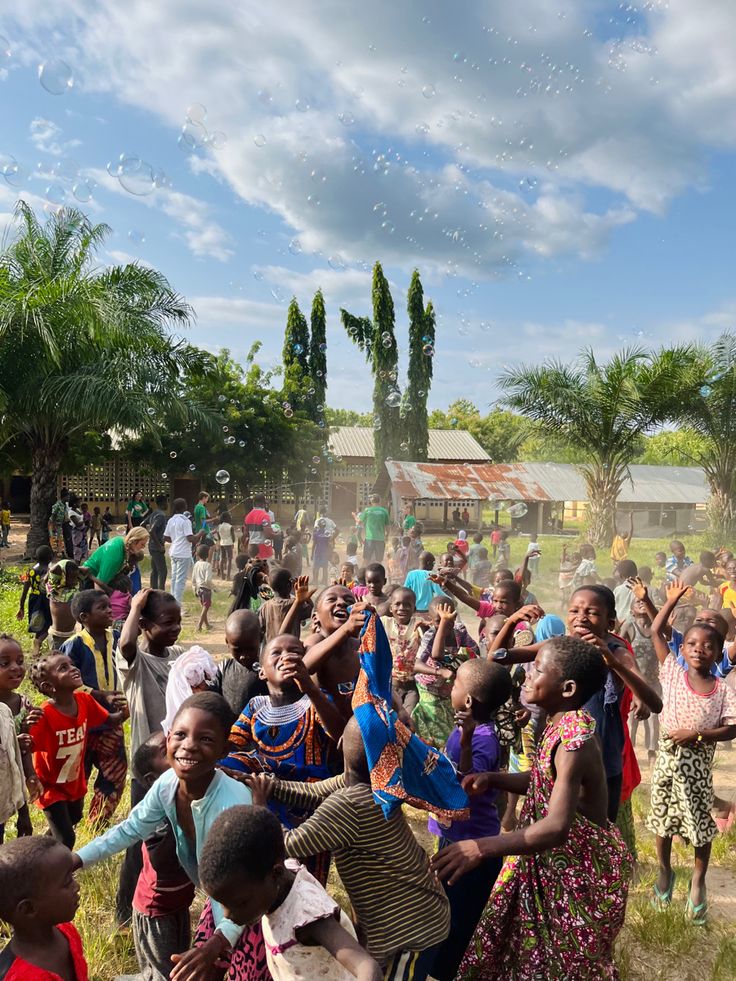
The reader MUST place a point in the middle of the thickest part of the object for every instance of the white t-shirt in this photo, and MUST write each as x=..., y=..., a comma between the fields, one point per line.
x=177, y=529
x=225, y=533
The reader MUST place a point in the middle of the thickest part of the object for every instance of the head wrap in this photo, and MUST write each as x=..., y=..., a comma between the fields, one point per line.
x=188, y=671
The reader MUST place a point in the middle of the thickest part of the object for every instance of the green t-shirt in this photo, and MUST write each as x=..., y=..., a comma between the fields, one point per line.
x=200, y=517
x=375, y=520
x=107, y=560
x=409, y=522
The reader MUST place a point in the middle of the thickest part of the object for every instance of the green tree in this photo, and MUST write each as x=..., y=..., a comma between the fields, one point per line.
x=421, y=351
x=83, y=347
x=347, y=417
x=295, y=356
x=499, y=433
x=377, y=340
x=318, y=353
x=671, y=448
x=605, y=409
x=710, y=411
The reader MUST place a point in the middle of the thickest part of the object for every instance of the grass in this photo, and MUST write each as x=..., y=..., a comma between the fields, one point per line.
x=654, y=944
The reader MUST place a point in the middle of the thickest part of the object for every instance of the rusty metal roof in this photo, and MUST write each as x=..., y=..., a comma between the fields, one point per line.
x=444, y=444
x=540, y=482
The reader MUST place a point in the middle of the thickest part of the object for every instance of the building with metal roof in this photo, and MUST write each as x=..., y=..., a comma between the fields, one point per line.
x=662, y=498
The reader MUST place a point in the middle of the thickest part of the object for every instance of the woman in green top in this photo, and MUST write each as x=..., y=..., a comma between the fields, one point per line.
x=136, y=510
x=117, y=555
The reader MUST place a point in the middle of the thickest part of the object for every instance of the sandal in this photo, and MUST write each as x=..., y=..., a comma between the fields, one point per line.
x=664, y=898
x=697, y=914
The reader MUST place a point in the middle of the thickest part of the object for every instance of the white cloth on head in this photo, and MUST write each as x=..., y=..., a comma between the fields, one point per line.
x=462, y=535
x=189, y=671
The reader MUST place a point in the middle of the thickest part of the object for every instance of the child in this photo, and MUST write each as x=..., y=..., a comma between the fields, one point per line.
x=479, y=690
x=481, y=570
x=106, y=524
x=375, y=580
x=626, y=572
x=34, y=587
x=495, y=540
x=461, y=542
x=16, y=765
x=699, y=711
x=637, y=630
x=333, y=568
x=241, y=560
x=121, y=596
x=560, y=901
x=474, y=550
x=321, y=548
x=677, y=562
x=38, y=898
x=394, y=569
x=143, y=659
x=91, y=650
x=347, y=575
x=95, y=527
x=332, y=651
x=404, y=637
x=237, y=678
x=352, y=551
x=190, y=796
x=398, y=906
x=60, y=741
x=291, y=732
x=244, y=865
x=191, y=672
x=5, y=523
x=418, y=580
x=62, y=583
x=202, y=584
x=225, y=536
x=273, y=611
x=727, y=589
x=164, y=891
x=586, y=573
x=504, y=550
x=443, y=648
x=568, y=565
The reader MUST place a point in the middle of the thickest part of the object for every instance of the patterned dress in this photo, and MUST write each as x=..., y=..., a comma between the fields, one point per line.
x=555, y=915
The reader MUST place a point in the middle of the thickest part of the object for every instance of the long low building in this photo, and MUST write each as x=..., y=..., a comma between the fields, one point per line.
x=670, y=499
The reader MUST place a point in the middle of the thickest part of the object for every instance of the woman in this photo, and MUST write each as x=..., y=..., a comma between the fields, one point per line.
x=79, y=528
x=120, y=554
x=136, y=510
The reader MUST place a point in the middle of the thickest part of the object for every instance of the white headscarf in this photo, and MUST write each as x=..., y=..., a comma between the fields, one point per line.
x=189, y=670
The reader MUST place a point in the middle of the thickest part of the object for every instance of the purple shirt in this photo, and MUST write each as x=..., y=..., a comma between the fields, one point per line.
x=483, y=821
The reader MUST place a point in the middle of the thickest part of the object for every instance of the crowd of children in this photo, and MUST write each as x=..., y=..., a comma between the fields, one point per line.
x=251, y=776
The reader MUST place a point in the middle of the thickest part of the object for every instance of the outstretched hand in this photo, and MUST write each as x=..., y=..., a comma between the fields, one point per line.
x=676, y=590
x=302, y=592
x=637, y=587
x=446, y=613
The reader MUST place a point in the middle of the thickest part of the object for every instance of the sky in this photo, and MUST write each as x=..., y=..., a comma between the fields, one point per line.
x=561, y=172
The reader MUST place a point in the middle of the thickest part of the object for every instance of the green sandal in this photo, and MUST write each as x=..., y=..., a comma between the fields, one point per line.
x=664, y=898
x=697, y=914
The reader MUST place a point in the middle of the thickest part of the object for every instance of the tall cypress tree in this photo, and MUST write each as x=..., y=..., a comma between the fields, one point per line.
x=377, y=340
x=318, y=353
x=295, y=355
x=421, y=352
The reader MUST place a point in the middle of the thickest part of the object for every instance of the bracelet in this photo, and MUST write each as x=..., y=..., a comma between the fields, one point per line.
x=700, y=737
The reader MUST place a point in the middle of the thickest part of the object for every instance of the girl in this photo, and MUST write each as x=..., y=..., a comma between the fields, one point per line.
x=121, y=590
x=16, y=766
x=404, y=635
x=699, y=711
x=560, y=899
x=307, y=935
x=225, y=536
x=637, y=630
x=34, y=587
x=190, y=796
x=79, y=529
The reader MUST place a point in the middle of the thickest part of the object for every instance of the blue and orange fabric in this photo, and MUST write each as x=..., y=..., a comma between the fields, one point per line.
x=403, y=769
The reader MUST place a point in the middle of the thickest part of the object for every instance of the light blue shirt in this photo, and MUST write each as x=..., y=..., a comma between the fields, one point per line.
x=421, y=585
x=160, y=803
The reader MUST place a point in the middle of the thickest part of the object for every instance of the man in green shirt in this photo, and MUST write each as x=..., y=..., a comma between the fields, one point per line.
x=409, y=520
x=375, y=520
x=200, y=512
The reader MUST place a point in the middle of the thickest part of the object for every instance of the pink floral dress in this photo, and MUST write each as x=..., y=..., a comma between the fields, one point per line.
x=556, y=914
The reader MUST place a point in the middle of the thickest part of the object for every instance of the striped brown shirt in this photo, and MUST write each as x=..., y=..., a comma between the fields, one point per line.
x=398, y=904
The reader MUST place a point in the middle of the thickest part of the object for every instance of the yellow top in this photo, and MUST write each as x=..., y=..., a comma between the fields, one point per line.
x=619, y=548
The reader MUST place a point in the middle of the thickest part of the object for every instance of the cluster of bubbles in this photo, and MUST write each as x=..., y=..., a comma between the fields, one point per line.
x=136, y=176
x=195, y=135
x=55, y=76
x=286, y=406
x=387, y=340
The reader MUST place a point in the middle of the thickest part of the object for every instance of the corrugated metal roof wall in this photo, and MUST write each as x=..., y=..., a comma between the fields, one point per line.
x=541, y=482
x=444, y=444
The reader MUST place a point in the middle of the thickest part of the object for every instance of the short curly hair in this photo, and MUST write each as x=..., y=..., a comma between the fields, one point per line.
x=39, y=670
x=580, y=662
x=243, y=842
x=22, y=871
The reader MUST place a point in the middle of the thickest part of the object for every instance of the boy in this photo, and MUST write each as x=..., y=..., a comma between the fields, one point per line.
x=677, y=562
x=403, y=635
x=91, y=650
x=626, y=570
x=273, y=611
x=418, y=580
x=95, y=527
x=38, y=898
x=321, y=547
x=586, y=573
x=473, y=551
x=237, y=677
x=400, y=908
x=5, y=523
x=164, y=891
x=347, y=575
x=60, y=741
x=375, y=580
x=203, y=585
x=107, y=523
x=481, y=570
x=34, y=587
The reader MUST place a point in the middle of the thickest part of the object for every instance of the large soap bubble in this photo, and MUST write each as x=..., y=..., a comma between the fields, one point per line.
x=55, y=76
x=518, y=510
x=222, y=477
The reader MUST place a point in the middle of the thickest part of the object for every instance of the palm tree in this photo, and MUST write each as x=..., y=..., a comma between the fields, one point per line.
x=605, y=410
x=82, y=348
x=711, y=413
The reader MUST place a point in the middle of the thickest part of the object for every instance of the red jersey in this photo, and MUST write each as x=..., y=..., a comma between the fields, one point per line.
x=59, y=742
x=14, y=968
x=257, y=524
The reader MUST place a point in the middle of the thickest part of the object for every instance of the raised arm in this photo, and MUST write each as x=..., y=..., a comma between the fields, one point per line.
x=641, y=592
x=451, y=586
x=302, y=593
x=294, y=668
x=623, y=664
x=660, y=625
x=506, y=633
x=318, y=653
x=128, y=643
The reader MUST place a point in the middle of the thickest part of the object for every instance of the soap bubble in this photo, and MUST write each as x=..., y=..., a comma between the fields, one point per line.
x=387, y=342
x=151, y=411
x=404, y=447
x=136, y=176
x=277, y=294
x=225, y=429
x=216, y=140
x=429, y=91
x=5, y=50
x=428, y=350
x=517, y=510
x=346, y=118
x=336, y=261
x=197, y=113
x=164, y=476
x=173, y=454
x=259, y=139
x=15, y=173
x=393, y=399
x=136, y=236
x=315, y=460
x=323, y=347
x=376, y=423
x=705, y=391
x=222, y=477
x=288, y=412
x=298, y=349
x=230, y=440
x=295, y=246
x=55, y=193
x=257, y=275
x=55, y=76
x=192, y=467
x=82, y=190
x=422, y=128
x=193, y=136
x=302, y=104
x=241, y=443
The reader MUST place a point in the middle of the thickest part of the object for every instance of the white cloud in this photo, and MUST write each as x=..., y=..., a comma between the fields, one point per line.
x=47, y=137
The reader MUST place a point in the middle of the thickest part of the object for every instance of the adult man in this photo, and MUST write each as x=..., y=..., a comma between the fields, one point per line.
x=200, y=512
x=257, y=527
x=375, y=520
x=155, y=522
x=409, y=519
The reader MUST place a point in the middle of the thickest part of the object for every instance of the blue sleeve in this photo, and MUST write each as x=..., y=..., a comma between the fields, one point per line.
x=725, y=665
x=675, y=645
x=140, y=824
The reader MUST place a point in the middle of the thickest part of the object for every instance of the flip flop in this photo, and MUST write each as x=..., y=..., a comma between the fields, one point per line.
x=697, y=914
x=664, y=898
